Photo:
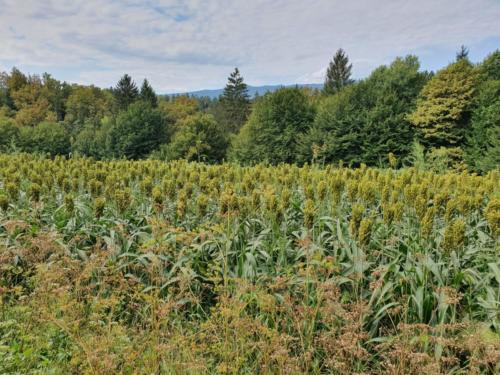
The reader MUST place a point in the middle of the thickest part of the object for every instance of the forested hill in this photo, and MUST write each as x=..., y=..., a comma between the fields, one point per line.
x=252, y=90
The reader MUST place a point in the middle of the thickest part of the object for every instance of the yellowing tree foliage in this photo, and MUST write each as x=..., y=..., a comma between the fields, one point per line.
x=443, y=108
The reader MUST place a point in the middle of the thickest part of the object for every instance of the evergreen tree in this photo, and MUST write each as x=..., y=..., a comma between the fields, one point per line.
x=235, y=103
x=463, y=53
x=126, y=92
x=444, y=107
x=148, y=95
x=338, y=73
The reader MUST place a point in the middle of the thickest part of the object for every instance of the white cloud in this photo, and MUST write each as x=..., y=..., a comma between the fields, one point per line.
x=184, y=45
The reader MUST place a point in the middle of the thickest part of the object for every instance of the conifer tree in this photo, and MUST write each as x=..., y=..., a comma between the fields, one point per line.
x=126, y=92
x=235, y=102
x=338, y=73
x=148, y=95
x=463, y=53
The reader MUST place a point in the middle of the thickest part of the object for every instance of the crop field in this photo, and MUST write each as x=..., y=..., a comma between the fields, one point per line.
x=147, y=267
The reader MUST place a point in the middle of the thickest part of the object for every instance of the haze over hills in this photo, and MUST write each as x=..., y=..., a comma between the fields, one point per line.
x=252, y=90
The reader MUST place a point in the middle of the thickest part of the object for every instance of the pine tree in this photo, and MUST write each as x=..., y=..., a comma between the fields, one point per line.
x=444, y=107
x=338, y=73
x=126, y=92
x=148, y=95
x=235, y=102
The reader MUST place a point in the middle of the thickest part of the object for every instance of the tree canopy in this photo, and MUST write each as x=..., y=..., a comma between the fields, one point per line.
x=444, y=107
x=198, y=138
x=272, y=131
x=450, y=117
x=366, y=121
x=138, y=131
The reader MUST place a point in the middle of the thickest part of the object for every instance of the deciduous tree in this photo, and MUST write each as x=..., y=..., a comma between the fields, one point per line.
x=444, y=107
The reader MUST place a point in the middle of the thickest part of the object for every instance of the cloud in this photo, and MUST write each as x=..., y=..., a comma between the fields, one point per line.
x=190, y=44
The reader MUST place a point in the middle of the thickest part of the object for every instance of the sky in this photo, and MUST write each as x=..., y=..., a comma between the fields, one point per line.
x=194, y=44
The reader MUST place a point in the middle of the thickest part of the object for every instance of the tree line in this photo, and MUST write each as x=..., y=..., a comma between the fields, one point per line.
x=398, y=115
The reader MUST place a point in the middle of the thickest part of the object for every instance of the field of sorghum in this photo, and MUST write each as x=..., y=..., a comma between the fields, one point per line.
x=149, y=267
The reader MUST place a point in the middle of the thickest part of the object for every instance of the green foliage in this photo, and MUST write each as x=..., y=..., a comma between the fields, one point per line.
x=417, y=157
x=463, y=53
x=483, y=143
x=138, y=131
x=148, y=95
x=483, y=139
x=273, y=128
x=94, y=140
x=32, y=103
x=366, y=121
x=5, y=100
x=46, y=138
x=338, y=74
x=437, y=159
x=444, y=107
x=362, y=122
x=87, y=104
x=9, y=134
x=198, y=138
x=15, y=81
x=125, y=92
x=179, y=108
x=490, y=67
x=235, y=103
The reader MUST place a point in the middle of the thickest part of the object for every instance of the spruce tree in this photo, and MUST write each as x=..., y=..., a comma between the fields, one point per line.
x=235, y=102
x=338, y=73
x=125, y=92
x=463, y=53
x=148, y=95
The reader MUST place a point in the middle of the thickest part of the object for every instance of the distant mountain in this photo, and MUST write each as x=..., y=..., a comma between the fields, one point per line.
x=252, y=90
